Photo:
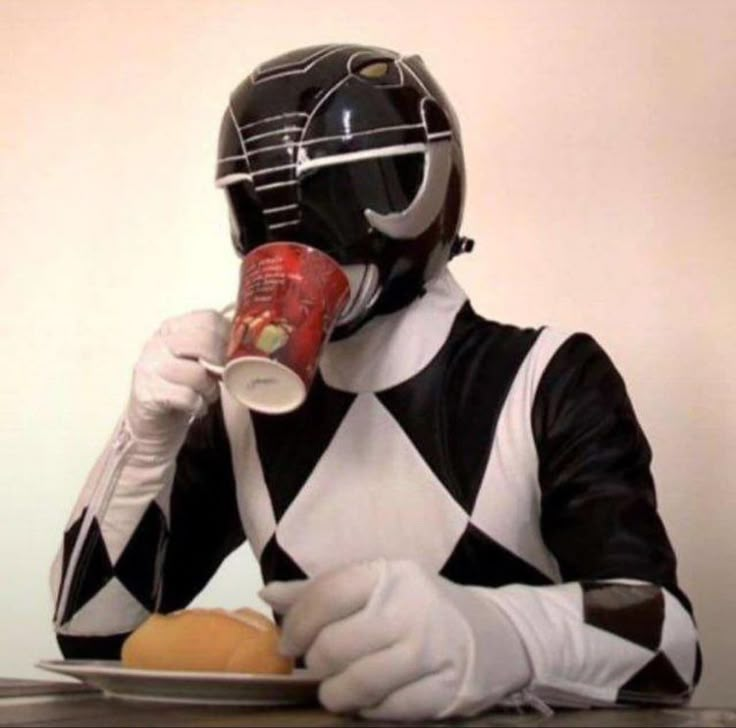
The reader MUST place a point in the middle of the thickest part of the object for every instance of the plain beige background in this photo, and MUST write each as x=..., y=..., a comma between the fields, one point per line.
x=601, y=146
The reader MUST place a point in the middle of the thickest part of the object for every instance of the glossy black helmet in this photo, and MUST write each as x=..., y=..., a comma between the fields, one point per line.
x=355, y=151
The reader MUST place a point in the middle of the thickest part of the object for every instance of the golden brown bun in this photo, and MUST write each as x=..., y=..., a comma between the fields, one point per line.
x=206, y=640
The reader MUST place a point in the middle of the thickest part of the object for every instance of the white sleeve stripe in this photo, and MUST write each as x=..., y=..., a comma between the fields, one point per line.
x=254, y=502
x=510, y=493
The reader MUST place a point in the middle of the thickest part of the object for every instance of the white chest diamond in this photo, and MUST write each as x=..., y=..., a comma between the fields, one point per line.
x=371, y=495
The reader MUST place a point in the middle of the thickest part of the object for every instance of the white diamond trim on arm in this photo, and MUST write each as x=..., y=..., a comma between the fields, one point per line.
x=680, y=652
x=113, y=610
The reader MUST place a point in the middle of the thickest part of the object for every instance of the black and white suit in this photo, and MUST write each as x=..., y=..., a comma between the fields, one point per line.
x=495, y=456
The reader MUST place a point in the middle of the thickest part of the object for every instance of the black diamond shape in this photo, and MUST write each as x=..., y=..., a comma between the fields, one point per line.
x=291, y=445
x=632, y=611
x=277, y=565
x=91, y=648
x=479, y=560
x=70, y=538
x=92, y=572
x=138, y=565
x=657, y=680
x=450, y=409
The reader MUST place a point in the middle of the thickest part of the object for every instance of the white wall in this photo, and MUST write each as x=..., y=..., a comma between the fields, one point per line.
x=601, y=146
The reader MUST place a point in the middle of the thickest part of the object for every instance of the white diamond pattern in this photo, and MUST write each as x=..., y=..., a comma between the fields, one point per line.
x=681, y=653
x=112, y=610
x=378, y=498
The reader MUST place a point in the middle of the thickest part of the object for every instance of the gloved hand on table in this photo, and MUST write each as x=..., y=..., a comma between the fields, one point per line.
x=393, y=642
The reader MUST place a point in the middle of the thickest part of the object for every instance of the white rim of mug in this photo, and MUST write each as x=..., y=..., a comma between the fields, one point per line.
x=261, y=360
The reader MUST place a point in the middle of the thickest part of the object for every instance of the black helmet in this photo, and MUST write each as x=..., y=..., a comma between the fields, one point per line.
x=355, y=151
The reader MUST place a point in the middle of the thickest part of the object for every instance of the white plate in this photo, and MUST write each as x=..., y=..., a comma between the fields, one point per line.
x=189, y=687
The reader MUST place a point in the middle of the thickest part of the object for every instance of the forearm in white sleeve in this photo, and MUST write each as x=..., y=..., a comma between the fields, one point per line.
x=115, y=501
x=108, y=575
x=602, y=643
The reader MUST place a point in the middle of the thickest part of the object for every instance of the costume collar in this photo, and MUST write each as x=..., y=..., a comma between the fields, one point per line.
x=390, y=349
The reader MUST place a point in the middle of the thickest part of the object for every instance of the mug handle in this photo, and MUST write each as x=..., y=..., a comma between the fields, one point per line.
x=217, y=369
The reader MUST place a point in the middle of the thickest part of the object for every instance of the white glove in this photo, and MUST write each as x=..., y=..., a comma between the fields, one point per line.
x=393, y=642
x=170, y=387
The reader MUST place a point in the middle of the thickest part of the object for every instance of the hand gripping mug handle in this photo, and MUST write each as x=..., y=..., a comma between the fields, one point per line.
x=217, y=370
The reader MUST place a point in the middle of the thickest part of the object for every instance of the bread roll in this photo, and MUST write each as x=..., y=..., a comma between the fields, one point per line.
x=206, y=640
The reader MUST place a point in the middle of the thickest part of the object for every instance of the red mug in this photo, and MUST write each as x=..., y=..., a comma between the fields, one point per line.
x=289, y=299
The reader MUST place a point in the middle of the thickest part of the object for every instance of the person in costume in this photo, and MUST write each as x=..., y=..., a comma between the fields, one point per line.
x=461, y=514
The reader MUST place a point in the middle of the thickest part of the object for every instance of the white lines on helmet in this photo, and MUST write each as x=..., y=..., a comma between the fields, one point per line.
x=237, y=129
x=258, y=172
x=320, y=140
x=317, y=56
x=402, y=63
x=230, y=179
x=274, y=210
x=304, y=164
x=397, y=150
x=367, y=132
x=278, y=117
x=284, y=130
x=274, y=185
x=268, y=170
x=292, y=69
x=322, y=101
x=288, y=145
x=276, y=226
x=232, y=158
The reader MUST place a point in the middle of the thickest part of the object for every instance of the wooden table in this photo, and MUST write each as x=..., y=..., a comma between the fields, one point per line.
x=40, y=703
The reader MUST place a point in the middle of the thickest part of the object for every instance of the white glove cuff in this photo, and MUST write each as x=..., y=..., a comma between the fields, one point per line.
x=499, y=664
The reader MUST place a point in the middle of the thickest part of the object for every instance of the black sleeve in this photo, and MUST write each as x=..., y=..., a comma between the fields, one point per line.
x=599, y=511
x=205, y=525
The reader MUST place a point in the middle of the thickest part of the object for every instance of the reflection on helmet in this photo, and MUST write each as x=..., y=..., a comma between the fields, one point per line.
x=355, y=151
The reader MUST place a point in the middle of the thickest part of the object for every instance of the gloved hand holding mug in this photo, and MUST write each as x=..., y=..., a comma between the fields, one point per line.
x=170, y=385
